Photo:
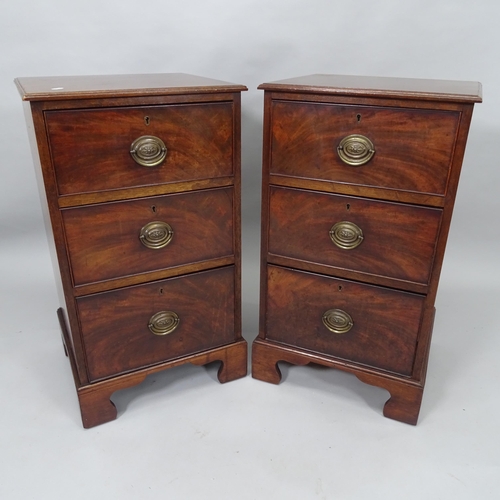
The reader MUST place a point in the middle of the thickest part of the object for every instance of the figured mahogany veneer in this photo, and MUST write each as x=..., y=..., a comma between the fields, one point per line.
x=380, y=337
x=203, y=301
x=359, y=181
x=416, y=158
x=109, y=232
x=398, y=240
x=199, y=139
x=141, y=178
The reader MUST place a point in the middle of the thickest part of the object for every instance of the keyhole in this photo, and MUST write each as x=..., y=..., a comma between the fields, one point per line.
x=358, y=116
x=348, y=206
x=146, y=120
x=161, y=291
x=153, y=208
x=340, y=288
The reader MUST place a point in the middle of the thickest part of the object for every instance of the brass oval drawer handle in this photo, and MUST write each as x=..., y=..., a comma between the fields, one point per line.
x=355, y=150
x=163, y=322
x=346, y=235
x=156, y=235
x=337, y=321
x=148, y=151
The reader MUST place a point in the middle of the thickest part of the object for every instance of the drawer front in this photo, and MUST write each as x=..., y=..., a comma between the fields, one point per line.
x=91, y=148
x=115, y=328
x=104, y=241
x=385, y=323
x=396, y=241
x=413, y=147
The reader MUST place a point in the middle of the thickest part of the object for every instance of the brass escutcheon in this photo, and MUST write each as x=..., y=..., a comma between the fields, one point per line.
x=163, y=322
x=355, y=150
x=337, y=321
x=148, y=151
x=346, y=235
x=156, y=235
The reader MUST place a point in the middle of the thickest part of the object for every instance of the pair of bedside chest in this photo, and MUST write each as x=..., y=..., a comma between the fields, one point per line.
x=140, y=182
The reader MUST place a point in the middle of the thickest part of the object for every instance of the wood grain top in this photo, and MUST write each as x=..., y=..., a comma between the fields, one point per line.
x=85, y=87
x=407, y=88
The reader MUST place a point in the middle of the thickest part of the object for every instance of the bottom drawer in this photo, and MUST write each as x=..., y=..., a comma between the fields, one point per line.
x=124, y=329
x=366, y=324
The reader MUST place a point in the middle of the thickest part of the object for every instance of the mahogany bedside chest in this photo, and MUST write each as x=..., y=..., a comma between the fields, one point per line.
x=140, y=183
x=359, y=182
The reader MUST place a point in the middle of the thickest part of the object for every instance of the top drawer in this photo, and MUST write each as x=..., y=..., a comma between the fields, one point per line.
x=413, y=147
x=91, y=148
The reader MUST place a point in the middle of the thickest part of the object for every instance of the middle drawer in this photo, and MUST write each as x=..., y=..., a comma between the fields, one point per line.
x=376, y=237
x=113, y=240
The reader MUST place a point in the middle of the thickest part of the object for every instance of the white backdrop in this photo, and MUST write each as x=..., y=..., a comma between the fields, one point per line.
x=251, y=42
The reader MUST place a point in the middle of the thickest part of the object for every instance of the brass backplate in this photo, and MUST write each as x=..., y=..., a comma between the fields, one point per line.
x=355, y=150
x=148, y=151
x=337, y=321
x=346, y=235
x=156, y=235
x=163, y=322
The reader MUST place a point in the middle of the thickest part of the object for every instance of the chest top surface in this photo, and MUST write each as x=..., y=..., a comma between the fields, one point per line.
x=367, y=86
x=83, y=87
